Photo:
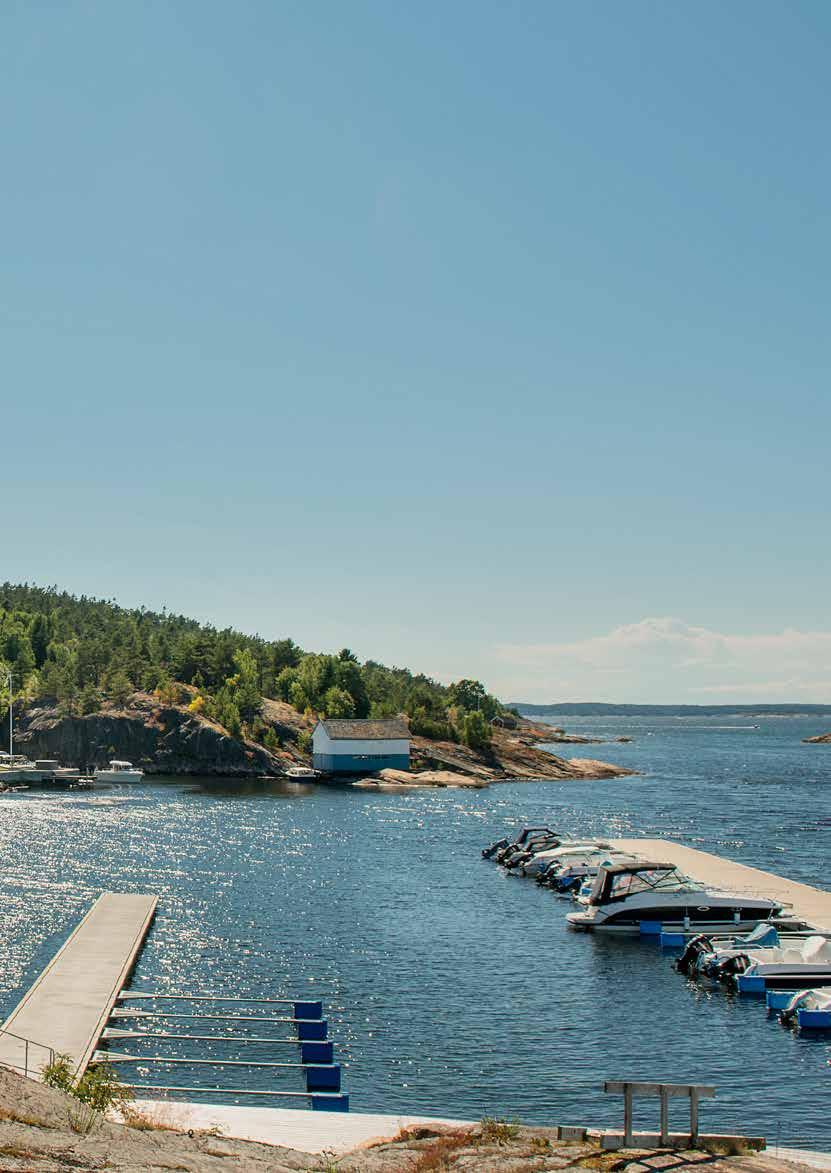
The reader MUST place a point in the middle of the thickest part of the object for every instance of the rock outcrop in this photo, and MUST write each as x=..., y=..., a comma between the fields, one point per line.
x=43, y=1130
x=820, y=739
x=160, y=739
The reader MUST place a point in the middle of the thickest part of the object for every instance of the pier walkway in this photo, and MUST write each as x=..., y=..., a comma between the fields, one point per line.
x=811, y=904
x=68, y=1006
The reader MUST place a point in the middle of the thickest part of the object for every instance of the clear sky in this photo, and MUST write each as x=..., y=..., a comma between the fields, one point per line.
x=486, y=338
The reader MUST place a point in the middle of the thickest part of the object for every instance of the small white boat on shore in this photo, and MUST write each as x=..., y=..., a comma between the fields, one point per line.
x=301, y=773
x=119, y=771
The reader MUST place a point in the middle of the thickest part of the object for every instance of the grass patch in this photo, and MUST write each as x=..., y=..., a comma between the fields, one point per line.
x=497, y=1131
x=437, y=1155
x=21, y=1118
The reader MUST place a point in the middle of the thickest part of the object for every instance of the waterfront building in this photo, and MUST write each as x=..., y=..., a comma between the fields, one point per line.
x=361, y=747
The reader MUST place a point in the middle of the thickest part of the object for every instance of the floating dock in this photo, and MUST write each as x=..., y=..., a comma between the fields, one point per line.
x=68, y=1006
x=810, y=904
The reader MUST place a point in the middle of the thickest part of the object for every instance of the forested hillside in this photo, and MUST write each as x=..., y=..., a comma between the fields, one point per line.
x=90, y=653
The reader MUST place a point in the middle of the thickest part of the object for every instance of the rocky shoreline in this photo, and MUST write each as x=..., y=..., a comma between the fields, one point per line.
x=820, y=739
x=174, y=740
x=43, y=1130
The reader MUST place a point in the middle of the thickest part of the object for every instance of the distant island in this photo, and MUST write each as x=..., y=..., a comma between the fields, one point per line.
x=597, y=709
x=94, y=681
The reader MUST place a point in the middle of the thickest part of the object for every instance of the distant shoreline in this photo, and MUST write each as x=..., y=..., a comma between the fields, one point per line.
x=599, y=709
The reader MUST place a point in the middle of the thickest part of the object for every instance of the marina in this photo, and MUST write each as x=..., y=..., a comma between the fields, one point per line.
x=377, y=906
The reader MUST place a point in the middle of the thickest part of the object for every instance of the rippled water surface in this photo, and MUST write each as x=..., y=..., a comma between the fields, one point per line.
x=450, y=988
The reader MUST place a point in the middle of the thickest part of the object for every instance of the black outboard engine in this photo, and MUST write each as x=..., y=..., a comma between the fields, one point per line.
x=731, y=966
x=490, y=852
x=687, y=962
x=517, y=859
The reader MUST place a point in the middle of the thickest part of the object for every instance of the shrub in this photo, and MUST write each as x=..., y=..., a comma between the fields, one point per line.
x=496, y=1131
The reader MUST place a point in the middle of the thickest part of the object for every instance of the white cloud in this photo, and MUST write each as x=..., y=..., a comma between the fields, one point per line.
x=667, y=660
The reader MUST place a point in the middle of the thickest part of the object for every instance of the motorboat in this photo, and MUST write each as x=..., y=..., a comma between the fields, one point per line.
x=529, y=839
x=625, y=896
x=809, y=1009
x=300, y=773
x=713, y=956
x=119, y=771
x=515, y=856
x=568, y=849
x=570, y=875
x=786, y=967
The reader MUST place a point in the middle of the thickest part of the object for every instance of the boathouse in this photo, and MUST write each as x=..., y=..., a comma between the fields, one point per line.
x=361, y=747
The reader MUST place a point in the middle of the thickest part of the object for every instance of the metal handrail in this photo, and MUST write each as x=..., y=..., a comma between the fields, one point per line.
x=27, y=1043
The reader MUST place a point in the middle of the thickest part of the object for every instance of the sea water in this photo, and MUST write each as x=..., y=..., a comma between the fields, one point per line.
x=450, y=988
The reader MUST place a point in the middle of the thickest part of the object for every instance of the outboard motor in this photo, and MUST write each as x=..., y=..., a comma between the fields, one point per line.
x=687, y=963
x=731, y=966
x=490, y=852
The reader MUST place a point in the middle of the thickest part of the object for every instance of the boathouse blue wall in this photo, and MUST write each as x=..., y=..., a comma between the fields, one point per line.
x=344, y=763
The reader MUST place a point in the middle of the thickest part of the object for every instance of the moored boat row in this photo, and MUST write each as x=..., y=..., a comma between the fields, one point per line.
x=750, y=943
x=619, y=892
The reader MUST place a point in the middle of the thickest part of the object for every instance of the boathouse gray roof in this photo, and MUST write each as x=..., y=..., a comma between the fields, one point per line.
x=391, y=728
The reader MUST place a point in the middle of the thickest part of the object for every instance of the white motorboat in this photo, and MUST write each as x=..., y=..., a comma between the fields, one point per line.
x=300, y=773
x=625, y=896
x=809, y=1009
x=576, y=871
x=532, y=840
x=567, y=850
x=119, y=771
x=787, y=967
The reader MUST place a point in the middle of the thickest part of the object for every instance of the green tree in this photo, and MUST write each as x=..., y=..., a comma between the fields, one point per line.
x=475, y=731
x=89, y=699
x=119, y=688
x=338, y=703
x=40, y=634
x=244, y=685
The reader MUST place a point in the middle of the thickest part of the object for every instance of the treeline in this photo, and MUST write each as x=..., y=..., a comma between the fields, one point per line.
x=84, y=652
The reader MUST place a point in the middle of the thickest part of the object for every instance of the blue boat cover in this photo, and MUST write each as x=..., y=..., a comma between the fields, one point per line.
x=765, y=935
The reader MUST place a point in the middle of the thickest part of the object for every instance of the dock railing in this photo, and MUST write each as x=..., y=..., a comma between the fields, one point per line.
x=663, y=1091
x=35, y=1055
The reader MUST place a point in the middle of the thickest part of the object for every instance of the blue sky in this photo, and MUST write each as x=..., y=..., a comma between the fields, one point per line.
x=466, y=335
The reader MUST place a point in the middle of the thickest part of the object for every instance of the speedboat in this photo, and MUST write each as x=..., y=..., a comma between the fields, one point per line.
x=566, y=849
x=809, y=1009
x=119, y=772
x=790, y=967
x=570, y=875
x=298, y=773
x=624, y=896
x=529, y=839
x=714, y=955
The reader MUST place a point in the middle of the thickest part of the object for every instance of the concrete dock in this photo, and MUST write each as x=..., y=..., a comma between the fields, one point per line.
x=68, y=1006
x=311, y=1132
x=811, y=904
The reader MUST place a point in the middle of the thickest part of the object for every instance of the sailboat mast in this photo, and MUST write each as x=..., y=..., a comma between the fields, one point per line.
x=11, y=718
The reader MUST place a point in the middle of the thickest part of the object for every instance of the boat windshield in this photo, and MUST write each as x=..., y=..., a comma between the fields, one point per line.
x=652, y=880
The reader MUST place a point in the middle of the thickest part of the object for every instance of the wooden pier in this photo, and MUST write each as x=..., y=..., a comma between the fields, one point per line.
x=811, y=904
x=68, y=1006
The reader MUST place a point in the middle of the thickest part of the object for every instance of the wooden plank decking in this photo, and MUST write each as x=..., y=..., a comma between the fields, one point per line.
x=68, y=1006
x=812, y=904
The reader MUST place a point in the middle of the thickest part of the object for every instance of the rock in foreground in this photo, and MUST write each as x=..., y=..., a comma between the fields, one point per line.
x=44, y=1131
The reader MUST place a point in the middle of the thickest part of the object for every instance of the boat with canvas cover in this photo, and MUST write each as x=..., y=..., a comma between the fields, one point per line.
x=119, y=771
x=791, y=967
x=809, y=1009
x=625, y=897
x=567, y=849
